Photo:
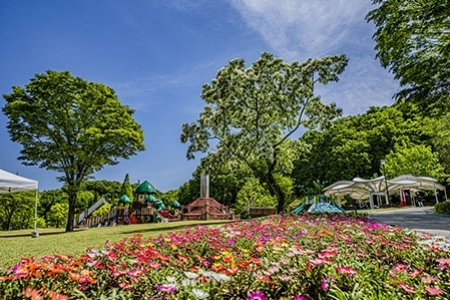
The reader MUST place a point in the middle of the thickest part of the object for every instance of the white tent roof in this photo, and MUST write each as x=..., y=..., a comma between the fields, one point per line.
x=414, y=182
x=358, y=188
x=13, y=183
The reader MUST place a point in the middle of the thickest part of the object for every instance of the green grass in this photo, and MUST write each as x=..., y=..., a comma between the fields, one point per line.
x=17, y=244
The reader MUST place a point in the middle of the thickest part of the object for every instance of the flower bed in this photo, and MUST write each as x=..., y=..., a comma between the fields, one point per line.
x=278, y=257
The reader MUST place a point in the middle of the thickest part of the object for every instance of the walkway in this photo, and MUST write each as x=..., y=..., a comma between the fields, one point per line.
x=420, y=219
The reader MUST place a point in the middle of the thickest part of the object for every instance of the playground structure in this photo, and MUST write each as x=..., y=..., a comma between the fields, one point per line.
x=145, y=208
x=317, y=204
x=205, y=207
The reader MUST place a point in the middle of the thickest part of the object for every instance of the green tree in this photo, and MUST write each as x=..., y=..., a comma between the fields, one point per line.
x=58, y=214
x=103, y=188
x=417, y=160
x=251, y=113
x=412, y=39
x=441, y=142
x=71, y=126
x=17, y=210
x=126, y=188
x=102, y=210
x=49, y=198
x=253, y=194
x=84, y=200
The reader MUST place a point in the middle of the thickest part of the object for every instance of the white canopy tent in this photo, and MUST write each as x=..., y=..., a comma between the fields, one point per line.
x=358, y=188
x=361, y=189
x=10, y=183
x=418, y=183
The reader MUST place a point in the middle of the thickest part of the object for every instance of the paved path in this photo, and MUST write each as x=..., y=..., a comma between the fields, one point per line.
x=421, y=219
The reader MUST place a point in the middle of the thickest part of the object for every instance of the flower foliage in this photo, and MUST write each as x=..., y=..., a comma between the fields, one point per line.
x=279, y=257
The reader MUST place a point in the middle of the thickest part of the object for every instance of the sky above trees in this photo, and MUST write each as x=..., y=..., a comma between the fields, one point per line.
x=157, y=55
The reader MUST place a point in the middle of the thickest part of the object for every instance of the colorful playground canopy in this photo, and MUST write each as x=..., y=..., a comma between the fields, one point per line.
x=150, y=198
x=124, y=199
x=145, y=188
x=176, y=204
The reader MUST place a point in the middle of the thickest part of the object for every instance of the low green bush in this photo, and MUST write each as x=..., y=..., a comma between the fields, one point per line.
x=442, y=208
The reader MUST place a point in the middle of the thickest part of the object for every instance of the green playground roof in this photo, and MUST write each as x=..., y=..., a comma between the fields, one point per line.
x=124, y=199
x=145, y=188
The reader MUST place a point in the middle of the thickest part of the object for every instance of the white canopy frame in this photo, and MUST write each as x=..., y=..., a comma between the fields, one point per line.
x=358, y=188
x=417, y=183
x=11, y=183
x=361, y=189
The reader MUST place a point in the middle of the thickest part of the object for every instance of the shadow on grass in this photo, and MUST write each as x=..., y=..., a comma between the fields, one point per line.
x=127, y=229
x=24, y=234
x=177, y=226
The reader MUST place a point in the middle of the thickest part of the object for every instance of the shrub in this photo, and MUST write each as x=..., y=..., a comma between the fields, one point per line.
x=442, y=207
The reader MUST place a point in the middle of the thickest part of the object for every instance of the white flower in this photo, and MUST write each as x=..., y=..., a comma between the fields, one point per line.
x=216, y=276
x=171, y=279
x=188, y=282
x=200, y=294
x=191, y=275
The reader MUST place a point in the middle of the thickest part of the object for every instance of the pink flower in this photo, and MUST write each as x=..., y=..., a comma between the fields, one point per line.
x=325, y=283
x=256, y=296
x=400, y=268
x=414, y=273
x=429, y=279
x=406, y=287
x=168, y=288
x=434, y=291
x=443, y=263
x=346, y=270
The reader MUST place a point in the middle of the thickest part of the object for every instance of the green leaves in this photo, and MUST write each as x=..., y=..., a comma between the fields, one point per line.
x=71, y=126
x=252, y=112
x=412, y=40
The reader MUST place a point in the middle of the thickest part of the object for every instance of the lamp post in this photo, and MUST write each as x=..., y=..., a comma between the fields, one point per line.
x=383, y=164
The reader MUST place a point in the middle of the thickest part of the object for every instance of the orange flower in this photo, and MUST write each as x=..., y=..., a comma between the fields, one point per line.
x=33, y=294
x=55, y=296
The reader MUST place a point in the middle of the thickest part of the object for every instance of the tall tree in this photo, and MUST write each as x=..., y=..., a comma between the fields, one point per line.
x=70, y=126
x=412, y=39
x=126, y=188
x=251, y=113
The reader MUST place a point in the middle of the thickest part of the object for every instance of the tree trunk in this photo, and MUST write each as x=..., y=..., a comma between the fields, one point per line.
x=276, y=191
x=9, y=221
x=71, y=215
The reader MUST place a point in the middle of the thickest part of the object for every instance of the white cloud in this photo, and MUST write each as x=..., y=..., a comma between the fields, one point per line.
x=297, y=30
x=304, y=28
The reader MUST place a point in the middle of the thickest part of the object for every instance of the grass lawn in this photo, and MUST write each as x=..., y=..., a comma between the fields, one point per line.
x=17, y=244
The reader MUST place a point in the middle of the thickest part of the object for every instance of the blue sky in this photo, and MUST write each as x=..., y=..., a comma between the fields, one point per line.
x=157, y=55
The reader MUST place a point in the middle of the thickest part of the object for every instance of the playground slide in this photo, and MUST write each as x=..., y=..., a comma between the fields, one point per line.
x=91, y=209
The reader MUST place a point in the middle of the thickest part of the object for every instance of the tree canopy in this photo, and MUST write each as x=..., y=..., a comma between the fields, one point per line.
x=70, y=126
x=412, y=39
x=252, y=112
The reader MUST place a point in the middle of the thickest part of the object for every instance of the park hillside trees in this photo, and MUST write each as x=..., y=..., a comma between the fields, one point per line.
x=17, y=210
x=71, y=126
x=355, y=145
x=252, y=113
x=412, y=40
x=253, y=194
x=417, y=160
x=109, y=189
x=58, y=215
